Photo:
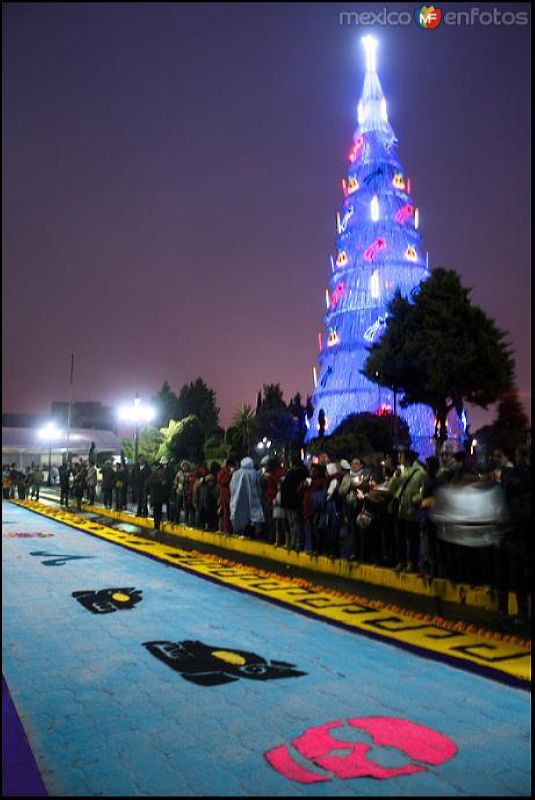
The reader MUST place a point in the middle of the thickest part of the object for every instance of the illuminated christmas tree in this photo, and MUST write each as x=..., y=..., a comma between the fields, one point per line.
x=378, y=251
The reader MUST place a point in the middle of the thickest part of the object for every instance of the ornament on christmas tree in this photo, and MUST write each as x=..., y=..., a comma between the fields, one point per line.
x=333, y=337
x=337, y=295
x=397, y=181
x=410, y=254
x=351, y=186
x=404, y=213
x=371, y=251
x=341, y=259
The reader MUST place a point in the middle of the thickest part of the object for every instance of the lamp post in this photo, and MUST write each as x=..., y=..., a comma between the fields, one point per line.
x=49, y=433
x=137, y=414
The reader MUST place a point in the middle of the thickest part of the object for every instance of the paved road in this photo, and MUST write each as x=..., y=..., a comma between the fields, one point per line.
x=168, y=684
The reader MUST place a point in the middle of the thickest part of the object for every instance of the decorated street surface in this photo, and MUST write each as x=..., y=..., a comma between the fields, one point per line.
x=180, y=674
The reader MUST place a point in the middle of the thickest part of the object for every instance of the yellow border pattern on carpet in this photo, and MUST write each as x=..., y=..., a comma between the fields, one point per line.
x=491, y=656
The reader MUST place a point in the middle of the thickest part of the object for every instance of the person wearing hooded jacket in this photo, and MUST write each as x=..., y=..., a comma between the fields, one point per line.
x=246, y=498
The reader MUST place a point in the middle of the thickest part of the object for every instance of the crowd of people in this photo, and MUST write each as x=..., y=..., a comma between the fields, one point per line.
x=373, y=510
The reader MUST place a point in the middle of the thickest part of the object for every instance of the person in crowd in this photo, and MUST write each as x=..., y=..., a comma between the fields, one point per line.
x=313, y=493
x=120, y=486
x=28, y=479
x=331, y=544
x=92, y=456
x=108, y=482
x=190, y=478
x=406, y=488
x=388, y=467
x=79, y=484
x=279, y=517
x=246, y=512
x=65, y=474
x=428, y=560
x=352, y=497
x=206, y=501
x=37, y=478
x=178, y=484
x=448, y=465
x=224, y=477
x=168, y=481
x=323, y=459
x=291, y=503
x=21, y=484
x=91, y=482
x=513, y=562
x=6, y=482
x=140, y=475
x=158, y=492
x=13, y=479
x=273, y=473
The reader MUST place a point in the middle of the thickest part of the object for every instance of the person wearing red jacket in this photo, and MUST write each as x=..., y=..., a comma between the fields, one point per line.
x=223, y=483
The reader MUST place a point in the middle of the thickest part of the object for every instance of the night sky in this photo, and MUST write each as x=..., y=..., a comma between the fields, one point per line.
x=171, y=176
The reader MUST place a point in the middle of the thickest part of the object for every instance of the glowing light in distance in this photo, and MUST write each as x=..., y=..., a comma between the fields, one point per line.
x=374, y=208
x=327, y=300
x=384, y=115
x=417, y=219
x=49, y=432
x=136, y=413
x=374, y=284
x=319, y=340
x=315, y=376
x=370, y=47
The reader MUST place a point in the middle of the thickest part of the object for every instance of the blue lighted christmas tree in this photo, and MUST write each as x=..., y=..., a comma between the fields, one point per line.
x=378, y=251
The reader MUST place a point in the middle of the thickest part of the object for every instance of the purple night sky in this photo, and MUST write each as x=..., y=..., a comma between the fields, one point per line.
x=172, y=174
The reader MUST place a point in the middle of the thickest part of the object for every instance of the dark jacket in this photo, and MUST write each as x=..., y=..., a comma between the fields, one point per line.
x=289, y=496
x=157, y=486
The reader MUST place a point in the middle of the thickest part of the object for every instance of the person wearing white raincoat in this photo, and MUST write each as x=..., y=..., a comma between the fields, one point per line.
x=246, y=498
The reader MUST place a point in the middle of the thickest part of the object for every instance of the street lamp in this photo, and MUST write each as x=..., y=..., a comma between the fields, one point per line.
x=137, y=414
x=265, y=444
x=50, y=432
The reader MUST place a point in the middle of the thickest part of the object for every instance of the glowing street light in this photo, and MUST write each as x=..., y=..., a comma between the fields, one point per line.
x=136, y=414
x=50, y=433
x=265, y=444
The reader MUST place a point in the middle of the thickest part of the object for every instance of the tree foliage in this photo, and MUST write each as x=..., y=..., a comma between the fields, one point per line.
x=182, y=439
x=199, y=400
x=150, y=440
x=510, y=428
x=281, y=424
x=166, y=404
x=240, y=434
x=361, y=435
x=440, y=350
